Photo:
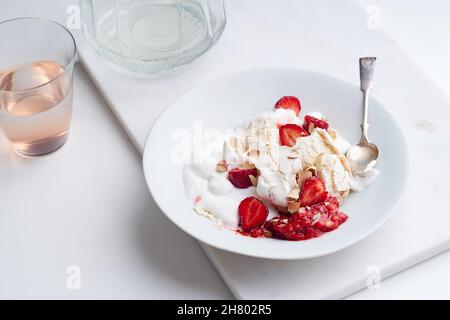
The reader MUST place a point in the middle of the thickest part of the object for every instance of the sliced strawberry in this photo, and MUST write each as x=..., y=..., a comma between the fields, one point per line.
x=240, y=177
x=252, y=213
x=289, y=134
x=315, y=123
x=312, y=191
x=289, y=102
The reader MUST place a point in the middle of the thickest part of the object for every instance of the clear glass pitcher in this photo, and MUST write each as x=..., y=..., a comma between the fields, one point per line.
x=150, y=36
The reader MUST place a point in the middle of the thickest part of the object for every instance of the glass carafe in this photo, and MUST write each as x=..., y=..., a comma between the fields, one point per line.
x=149, y=36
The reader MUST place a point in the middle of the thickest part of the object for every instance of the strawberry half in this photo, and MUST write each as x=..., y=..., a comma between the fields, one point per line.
x=289, y=102
x=316, y=123
x=313, y=191
x=252, y=213
x=289, y=134
x=240, y=177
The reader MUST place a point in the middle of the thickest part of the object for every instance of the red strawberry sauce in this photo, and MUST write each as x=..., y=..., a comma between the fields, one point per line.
x=309, y=222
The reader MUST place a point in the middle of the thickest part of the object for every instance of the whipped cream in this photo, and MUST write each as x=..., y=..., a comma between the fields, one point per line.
x=360, y=181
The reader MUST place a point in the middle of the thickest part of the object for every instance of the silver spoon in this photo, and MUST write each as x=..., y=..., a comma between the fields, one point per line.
x=363, y=156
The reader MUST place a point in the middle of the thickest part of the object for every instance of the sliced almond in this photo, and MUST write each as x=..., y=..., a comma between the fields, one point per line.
x=312, y=170
x=345, y=164
x=221, y=166
x=332, y=133
x=203, y=212
x=253, y=180
x=343, y=195
x=294, y=193
x=302, y=176
x=326, y=138
x=316, y=218
x=293, y=206
x=305, y=174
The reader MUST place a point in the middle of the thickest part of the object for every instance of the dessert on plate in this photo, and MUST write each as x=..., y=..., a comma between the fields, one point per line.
x=280, y=175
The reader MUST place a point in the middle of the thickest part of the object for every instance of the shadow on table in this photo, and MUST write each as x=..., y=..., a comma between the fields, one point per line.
x=176, y=255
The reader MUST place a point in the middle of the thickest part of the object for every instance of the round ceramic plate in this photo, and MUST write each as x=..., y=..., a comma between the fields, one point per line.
x=223, y=103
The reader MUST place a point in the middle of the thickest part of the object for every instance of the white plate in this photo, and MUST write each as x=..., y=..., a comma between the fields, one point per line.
x=225, y=102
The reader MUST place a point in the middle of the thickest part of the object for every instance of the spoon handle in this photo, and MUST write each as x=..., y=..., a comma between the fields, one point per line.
x=366, y=70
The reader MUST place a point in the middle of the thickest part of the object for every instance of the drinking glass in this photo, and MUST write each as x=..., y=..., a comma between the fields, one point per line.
x=36, y=67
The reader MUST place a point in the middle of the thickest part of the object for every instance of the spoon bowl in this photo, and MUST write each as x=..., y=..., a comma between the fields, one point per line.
x=362, y=157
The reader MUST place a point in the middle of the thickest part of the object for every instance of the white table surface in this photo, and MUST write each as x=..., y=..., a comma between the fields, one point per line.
x=86, y=204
